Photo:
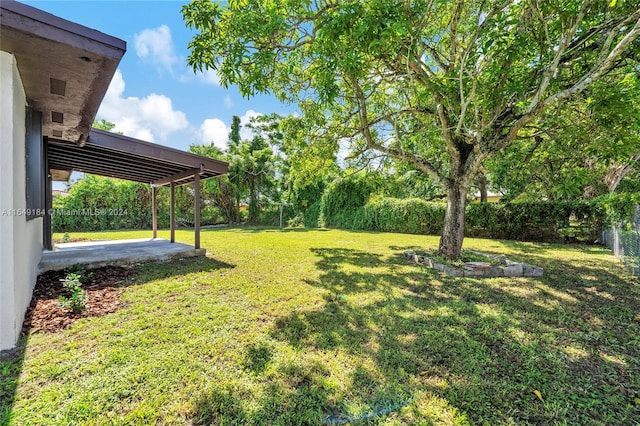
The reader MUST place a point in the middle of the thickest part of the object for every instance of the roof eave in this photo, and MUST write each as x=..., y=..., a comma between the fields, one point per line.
x=47, y=49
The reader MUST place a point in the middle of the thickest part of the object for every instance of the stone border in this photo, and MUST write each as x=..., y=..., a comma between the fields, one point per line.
x=507, y=268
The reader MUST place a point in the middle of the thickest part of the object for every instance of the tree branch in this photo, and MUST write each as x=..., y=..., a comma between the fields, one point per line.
x=598, y=70
x=565, y=39
x=365, y=129
x=617, y=172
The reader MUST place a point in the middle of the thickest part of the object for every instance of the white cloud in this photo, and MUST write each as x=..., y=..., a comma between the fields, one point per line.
x=228, y=102
x=216, y=131
x=209, y=77
x=213, y=130
x=145, y=118
x=246, y=133
x=156, y=46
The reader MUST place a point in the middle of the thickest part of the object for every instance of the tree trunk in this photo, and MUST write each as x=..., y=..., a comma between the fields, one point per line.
x=238, y=217
x=453, y=232
x=482, y=183
x=253, y=203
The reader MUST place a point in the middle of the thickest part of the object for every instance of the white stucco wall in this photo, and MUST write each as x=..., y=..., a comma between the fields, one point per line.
x=20, y=240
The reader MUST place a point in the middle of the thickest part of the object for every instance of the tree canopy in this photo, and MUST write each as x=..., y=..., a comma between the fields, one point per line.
x=439, y=85
x=582, y=149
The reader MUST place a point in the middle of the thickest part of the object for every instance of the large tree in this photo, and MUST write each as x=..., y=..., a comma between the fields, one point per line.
x=439, y=84
x=584, y=148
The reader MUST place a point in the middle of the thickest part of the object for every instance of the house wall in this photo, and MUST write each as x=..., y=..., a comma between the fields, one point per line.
x=20, y=240
x=490, y=198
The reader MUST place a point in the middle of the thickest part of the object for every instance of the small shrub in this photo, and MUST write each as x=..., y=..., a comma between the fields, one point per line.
x=77, y=269
x=296, y=222
x=78, y=298
x=66, y=238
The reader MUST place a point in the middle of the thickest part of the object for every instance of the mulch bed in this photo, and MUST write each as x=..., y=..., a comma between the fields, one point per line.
x=104, y=290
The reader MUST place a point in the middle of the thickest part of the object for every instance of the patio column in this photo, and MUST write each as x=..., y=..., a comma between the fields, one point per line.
x=172, y=211
x=47, y=232
x=196, y=208
x=154, y=210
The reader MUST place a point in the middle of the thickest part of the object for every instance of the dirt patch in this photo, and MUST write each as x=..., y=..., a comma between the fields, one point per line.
x=104, y=290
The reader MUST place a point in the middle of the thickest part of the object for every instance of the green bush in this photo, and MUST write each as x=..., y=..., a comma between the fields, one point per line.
x=311, y=215
x=412, y=215
x=550, y=221
x=619, y=207
x=343, y=200
x=98, y=203
x=296, y=222
x=270, y=216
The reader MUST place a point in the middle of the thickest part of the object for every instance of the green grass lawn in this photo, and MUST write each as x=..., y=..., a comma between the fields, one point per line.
x=324, y=327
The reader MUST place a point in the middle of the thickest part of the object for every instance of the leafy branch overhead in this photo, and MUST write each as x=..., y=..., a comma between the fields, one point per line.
x=439, y=85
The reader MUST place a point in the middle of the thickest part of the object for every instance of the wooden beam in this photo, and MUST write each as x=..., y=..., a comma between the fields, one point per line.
x=196, y=196
x=179, y=176
x=141, y=148
x=154, y=210
x=172, y=211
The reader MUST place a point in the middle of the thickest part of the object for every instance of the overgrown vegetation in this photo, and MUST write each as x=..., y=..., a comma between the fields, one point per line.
x=321, y=326
x=353, y=203
x=465, y=257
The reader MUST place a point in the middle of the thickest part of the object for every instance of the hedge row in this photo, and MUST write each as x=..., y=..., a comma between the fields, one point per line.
x=543, y=221
x=550, y=221
x=97, y=203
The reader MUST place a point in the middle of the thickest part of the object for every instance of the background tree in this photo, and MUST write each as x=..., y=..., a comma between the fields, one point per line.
x=219, y=191
x=252, y=164
x=440, y=85
x=582, y=150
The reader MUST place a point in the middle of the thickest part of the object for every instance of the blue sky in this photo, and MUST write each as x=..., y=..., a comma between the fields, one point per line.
x=154, y=95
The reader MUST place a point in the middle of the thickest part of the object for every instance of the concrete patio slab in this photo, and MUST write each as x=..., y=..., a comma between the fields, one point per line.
x=95, y=254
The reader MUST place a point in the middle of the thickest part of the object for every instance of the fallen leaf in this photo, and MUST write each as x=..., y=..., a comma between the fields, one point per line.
x=538, y=394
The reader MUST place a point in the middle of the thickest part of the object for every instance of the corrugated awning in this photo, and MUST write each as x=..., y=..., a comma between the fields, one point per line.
x=122, y=157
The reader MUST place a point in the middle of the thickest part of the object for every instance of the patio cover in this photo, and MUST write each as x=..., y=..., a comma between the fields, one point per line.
x=122, y=157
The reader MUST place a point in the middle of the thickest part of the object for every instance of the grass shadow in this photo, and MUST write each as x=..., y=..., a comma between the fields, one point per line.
x=483, y=346
x=151, y=271
x=258, y=357
x=11, y=361
x=300, y=399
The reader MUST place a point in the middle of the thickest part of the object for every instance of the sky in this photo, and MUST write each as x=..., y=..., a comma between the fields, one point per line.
x=154, y=95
